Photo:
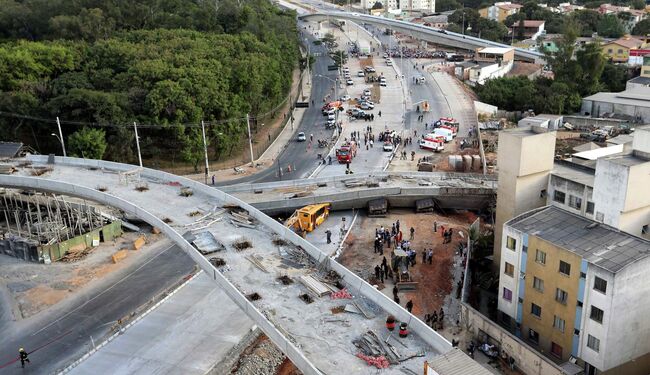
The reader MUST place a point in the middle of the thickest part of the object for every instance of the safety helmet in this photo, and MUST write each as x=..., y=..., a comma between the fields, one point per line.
x=21, y=350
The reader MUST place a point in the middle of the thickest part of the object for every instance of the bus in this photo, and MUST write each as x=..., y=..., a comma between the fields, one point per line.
x=306, y=219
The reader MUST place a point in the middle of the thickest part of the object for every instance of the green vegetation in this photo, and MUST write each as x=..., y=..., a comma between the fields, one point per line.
x=475, y=25
x=160, y=63
x=578, y=72
x=87, y=143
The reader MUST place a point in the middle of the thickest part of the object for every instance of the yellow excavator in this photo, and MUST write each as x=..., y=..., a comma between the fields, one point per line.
x=306, y=219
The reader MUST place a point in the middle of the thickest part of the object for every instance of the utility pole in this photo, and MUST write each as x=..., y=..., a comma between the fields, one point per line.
x=205, y=151
x=137, y=142
x=61, y=136
x=250, y=139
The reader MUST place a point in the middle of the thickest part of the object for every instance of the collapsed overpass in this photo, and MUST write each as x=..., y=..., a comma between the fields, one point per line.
x=400, y=189
x=426, y=33
x=258, y=252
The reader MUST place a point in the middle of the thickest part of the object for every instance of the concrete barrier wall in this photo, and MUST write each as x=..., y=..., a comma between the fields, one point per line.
x=526, y=358
x=427, y=334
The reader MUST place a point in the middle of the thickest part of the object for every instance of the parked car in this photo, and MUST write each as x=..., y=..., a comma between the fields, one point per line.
x=382, y=83
x=366, y=92
x=388, y=146
x=349, y=82
x=389, y=62
x=345, y=98
x=331, y=116
x=360, y=73
x=301, y=137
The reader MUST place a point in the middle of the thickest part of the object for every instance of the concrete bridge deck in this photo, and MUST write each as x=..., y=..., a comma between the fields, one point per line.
x=401, y=189
x=317, y=341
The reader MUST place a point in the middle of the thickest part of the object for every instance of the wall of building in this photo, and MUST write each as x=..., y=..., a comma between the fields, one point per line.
x=569, y=188
x=527, y=359
x=524, y=168
x=608, y=200
x=553, y=279
x=512, y=283
x=480, y=75
x=56, y=251
x=602, y=330
x=628, y=323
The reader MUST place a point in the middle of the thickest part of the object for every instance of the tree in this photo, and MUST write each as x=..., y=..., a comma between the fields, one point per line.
x=642, y=27
x=610, y=26
x=340, y=58
x=586, y=20
x=87, y=143
x=193, y=150
x=447, y=5
x=377, y=5
x=614, y=77
x=592, y=62
x=491, y=30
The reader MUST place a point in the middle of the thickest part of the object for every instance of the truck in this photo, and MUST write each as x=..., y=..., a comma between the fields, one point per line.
x=447, y=134
x=432, y=142
x=364, y=48
x=346, y=152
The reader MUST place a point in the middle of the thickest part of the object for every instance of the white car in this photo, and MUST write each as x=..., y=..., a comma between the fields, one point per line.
x=301, y=137
x=388, y=146
x=349, y=82
x=382, y=83
x=345, y=98
x=360, y=73
x=367, y=105
x=346, y=69
x=367, y=92
x=389, y=63
x=331, y=116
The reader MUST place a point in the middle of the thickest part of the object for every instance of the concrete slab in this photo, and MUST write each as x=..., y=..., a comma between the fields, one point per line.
x=187, y=334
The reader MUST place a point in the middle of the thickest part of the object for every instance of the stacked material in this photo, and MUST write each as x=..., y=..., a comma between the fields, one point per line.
x=315, y=286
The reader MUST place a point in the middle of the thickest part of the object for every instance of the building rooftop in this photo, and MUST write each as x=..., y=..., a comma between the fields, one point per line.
x=599, y=244
x=628, y=42
x=574, y=172
x=467, y=64
x=621, y=139
x=628, y=160
x=525, y=131
x=586, y=147
x=640, y=80
x=615, y=98
x=508, y=6
x=532, y=23
x=455, y=362
x=599, y=152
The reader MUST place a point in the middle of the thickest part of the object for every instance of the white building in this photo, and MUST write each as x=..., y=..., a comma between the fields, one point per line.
x=428, y=6
x=576, y=288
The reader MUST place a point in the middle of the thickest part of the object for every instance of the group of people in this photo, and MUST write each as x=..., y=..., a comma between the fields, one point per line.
x=383, y=271
x=435, y=320
x=407, y=52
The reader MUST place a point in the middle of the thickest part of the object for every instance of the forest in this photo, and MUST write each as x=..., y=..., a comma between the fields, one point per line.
x=167, y=65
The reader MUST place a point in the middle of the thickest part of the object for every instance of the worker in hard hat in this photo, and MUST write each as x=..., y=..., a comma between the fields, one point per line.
x=23, y=357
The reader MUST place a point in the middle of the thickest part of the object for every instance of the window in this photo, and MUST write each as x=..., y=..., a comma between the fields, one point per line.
x=596, y=314
x=620, y=51
x=600, y=285
x=561, y=296
x=511, y=243
x=575, y=202
x=579, y=303
x=533, y=336
x=556, y=350
x=540, y=257
x=559, y=196
x=535, y=310
x=565, y=268
x=538, y=284
x=542, y=194
x=510, y=269
x=590, y=207
x=559, y=323
x=507, y=294
x=610, y=51
x=645, y=229
x=524, y=249
x=593, y=343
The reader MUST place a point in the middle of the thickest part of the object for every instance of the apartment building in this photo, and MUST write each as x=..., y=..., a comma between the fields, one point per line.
x=608, y=185
x=577, y=290
x=426, y=6
x=500, y=11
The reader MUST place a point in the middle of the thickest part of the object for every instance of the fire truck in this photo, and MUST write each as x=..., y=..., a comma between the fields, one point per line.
x=346, y=152
x=433, y=142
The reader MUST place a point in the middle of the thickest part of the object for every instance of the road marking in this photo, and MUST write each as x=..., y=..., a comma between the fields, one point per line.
x=106, y=290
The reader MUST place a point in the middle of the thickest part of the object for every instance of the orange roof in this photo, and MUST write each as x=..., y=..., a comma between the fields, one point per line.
x=509, y=6
x=627, y=42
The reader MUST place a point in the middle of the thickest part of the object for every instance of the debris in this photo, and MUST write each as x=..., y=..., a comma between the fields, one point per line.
x=36, y=171
x=364, y=308
x=155, y=230
x=295, y=257
x=242, y=244
x=315, y=286
x=285, y=280
x=75, y=254
x=206, y=243
x=119, y=255
x=279, y=242
x=337, y=309
x=257, y=263
x=142, y=186
x=186, y=192
x=194, y=213
x=306, y=298
x=102, y=188
x=379, y=362
x=217, y=262
x=167, y=220
x=254, y=296
x=341, y=294
x=352, y=309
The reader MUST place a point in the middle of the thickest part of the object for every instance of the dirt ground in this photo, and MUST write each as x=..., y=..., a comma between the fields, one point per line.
x=435, y=280
x=33, y=287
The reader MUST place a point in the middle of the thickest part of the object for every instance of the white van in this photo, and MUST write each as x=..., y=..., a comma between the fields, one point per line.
x=432, y=143
x=448, y=134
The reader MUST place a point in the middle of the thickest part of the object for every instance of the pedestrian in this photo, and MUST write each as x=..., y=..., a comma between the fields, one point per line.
x=430, y=256
x=396, y=299
x=395, y=290
x=23, y=357
x=269, y=137
x=409, y=305
x=424, y=256
x=213, y=180
x=442, y=231
x=412, y=233
x=393, y=230
x=328, y=233
x=412, y=155
x=311, y=137
x=377, y=271
x=381, y=275
x=386, y=269
x=435, y=226
x=397, y=225
x=379, y=115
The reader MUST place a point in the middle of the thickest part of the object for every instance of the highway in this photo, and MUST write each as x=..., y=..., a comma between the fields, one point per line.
x=57, y=336
x=303, y=161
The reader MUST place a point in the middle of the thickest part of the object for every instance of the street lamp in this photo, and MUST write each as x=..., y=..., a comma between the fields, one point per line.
x=61, y=142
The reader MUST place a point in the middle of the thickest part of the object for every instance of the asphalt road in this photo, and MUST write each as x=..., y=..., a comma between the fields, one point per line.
x=64, y=335
x=302, y=160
